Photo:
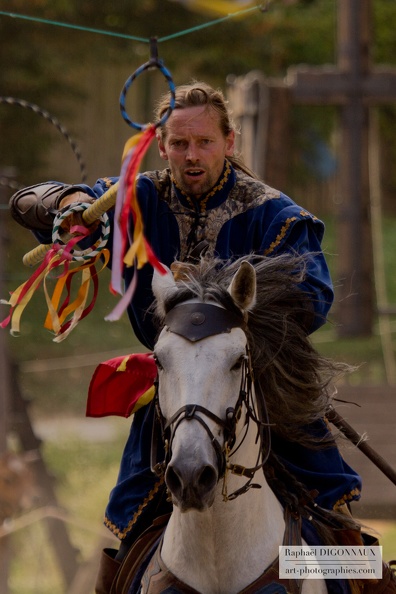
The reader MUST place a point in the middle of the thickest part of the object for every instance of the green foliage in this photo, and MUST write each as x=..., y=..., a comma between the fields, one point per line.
x=45, y=63
x=383, y=32
x=46, y=60
x=364, y=352
x=55, y=377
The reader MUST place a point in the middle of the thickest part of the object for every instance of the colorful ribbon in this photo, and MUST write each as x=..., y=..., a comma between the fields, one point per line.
x=61, y=319
x=139, y=252
x=57, y=320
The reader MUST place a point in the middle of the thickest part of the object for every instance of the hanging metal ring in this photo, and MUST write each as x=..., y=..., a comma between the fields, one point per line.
x=152, y=63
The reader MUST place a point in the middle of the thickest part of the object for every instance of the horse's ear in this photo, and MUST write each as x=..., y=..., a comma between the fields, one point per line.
x=163, y=285
x=243, y=286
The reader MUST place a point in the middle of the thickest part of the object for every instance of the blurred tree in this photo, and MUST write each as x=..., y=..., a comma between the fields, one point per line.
x=39, y=62
x=45, y=64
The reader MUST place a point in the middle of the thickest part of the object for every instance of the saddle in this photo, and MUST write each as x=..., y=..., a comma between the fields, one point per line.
x=143, y=564
x=116, y=577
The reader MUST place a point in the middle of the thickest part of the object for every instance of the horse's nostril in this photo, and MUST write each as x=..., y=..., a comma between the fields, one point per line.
x=208, y=478
x=173, y=481
x=191, y=484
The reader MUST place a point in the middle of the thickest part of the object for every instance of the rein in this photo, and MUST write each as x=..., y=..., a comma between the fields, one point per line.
x=195, y=321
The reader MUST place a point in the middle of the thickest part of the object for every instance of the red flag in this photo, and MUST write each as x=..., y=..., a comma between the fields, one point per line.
x=121, y=385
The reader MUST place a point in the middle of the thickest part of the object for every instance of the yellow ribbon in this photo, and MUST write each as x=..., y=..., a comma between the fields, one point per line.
x=20, y=304
x=55, y=321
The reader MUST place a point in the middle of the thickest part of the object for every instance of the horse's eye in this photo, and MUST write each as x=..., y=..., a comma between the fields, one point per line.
x=157, y=362
x=238, y=364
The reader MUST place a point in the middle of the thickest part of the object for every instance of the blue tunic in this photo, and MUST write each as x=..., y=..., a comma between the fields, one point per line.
x=239, y=216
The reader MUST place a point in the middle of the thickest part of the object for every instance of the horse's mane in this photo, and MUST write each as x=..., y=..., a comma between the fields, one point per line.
x=296, y=379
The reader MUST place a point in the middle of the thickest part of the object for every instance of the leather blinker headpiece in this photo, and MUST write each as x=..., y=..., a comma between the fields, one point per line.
x=195, y=321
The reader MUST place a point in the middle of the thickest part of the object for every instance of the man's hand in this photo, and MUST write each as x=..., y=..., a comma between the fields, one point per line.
x=76, y=218
x=35, y=207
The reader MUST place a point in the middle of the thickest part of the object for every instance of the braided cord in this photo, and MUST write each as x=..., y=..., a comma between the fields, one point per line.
x=91, y=252
x=55, y=122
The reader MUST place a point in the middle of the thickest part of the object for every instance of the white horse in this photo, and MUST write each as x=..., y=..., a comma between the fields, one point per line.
x=227, y=524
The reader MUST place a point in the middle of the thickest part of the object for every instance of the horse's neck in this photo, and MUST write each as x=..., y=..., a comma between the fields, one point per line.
x=229, y=545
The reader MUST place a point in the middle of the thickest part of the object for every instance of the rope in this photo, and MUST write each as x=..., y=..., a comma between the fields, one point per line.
x=55, y=122
x=211, y=23
x=238, y=13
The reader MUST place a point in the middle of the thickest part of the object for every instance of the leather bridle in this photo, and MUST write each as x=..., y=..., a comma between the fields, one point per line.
x=195, y=321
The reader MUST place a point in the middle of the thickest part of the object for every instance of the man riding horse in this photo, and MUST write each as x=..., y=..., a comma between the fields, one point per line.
x=206, y=198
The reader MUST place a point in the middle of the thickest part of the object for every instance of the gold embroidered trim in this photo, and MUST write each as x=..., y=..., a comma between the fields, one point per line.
x=281, y=236
x=204, y=201
x=121, y=534
x=346, y=497
x=108, y=182
x=305, y=213
x=246, y=194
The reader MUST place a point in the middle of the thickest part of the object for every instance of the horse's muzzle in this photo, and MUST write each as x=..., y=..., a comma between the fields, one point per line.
x=191, y=487
x=192, y=473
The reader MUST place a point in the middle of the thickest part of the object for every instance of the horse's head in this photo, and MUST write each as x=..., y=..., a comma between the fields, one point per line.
x=201, y=355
